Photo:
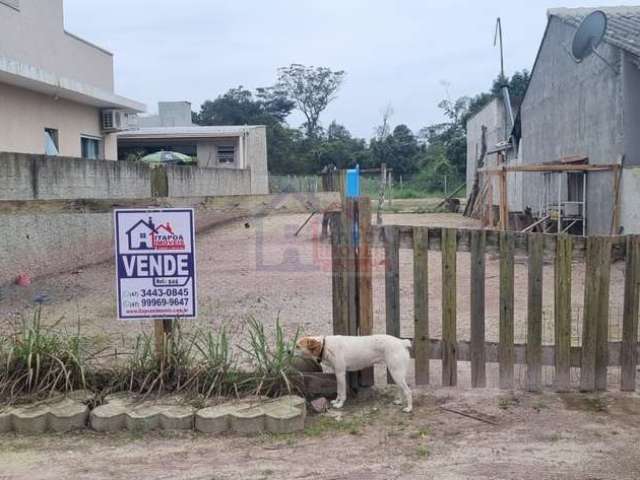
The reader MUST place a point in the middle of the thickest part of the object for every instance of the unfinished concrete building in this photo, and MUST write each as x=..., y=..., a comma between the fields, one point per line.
x=572, y=160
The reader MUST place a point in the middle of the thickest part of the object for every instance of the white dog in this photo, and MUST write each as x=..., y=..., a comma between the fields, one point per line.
x=349, y=354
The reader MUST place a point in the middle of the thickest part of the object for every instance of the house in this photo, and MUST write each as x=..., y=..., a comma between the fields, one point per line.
x=140, y=235
x=56, y=89
x=576, y=141
x=230, y=147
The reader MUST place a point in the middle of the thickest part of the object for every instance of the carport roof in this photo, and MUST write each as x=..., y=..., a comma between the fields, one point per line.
x=623, y=29
x=185, y=132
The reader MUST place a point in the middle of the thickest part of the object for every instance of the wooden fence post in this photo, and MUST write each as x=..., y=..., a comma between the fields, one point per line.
x=449, y=307
x=477, y=293
x=421, y=341
x=339, y=294
x=162, y=329
x=629, y=354
x=562, y=312
x=593, y=373
x=534, y=308
x=505, y=349
x=365, y=286
x=392, y=281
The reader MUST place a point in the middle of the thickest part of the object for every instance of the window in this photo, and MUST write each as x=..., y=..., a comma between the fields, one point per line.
x=51, y=141
x=226, y=153
x=90, y=148
x=11, y=3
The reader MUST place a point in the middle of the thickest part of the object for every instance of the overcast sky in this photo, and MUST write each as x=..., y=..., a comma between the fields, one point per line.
x=406, y=53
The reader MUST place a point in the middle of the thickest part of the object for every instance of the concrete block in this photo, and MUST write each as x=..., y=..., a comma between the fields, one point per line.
x=281, y=415
x=110, y=417
x=142, y=419
x=6, y=421
x=68, y=415
x=248, y=419
x=176, y=418
x=283, y=419
x=127, y=412
x=30, y=419
x=214, y=419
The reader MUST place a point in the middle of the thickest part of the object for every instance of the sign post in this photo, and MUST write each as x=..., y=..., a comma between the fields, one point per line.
x=155, y=266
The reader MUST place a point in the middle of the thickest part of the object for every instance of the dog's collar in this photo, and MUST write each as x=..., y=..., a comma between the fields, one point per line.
x=322, y=350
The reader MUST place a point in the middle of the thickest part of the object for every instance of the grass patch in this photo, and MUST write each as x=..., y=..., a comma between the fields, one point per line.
x=422, y=451
x=322, y=425
x=38, y=361
x=595, y=404
x=508, y=401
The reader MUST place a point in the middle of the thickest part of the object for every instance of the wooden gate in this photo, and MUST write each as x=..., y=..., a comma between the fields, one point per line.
x=353, y=299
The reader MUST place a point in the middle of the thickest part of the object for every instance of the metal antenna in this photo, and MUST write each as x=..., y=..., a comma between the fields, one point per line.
x=498, y=36
x=505, y=88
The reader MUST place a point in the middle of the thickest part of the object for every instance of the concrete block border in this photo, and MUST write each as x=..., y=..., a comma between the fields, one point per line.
x=124, y=412
x=60, y=414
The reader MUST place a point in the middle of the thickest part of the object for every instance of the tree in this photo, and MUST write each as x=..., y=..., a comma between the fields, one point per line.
x=268, y=107
x=312, y=89
x=238, y=106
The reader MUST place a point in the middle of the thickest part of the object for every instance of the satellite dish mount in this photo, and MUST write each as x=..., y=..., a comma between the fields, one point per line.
x=588, y=38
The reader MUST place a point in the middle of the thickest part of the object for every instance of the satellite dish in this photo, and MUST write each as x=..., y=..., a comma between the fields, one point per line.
x=589, y=35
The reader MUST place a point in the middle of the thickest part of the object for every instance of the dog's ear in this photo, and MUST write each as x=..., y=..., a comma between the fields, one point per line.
x=315, y=347
x=312, y=345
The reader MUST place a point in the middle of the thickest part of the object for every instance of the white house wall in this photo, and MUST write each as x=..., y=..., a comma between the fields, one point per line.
x=24, y=115
x=35, y=35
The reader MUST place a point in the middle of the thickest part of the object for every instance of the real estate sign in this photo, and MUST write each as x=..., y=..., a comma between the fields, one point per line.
x=155, y=263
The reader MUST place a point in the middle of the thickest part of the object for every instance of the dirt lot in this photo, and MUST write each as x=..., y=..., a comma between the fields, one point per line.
x=521, y=437
x=260, y=269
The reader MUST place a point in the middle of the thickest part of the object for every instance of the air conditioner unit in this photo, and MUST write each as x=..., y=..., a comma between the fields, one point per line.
x=114, y=120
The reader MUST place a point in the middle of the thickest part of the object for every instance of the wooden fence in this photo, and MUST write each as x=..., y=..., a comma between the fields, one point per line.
x=353, y=303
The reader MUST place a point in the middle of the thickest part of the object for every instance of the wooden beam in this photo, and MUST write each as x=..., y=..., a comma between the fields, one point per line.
x=239, y=205
x=392, y=284
x=463, y=352
x=615, y=218
x=477, y=294
x=449, y=309
x=365, y=281
x=630, y=315
x=619, y=243
x=534, y=312
x=421, y=304
x=562, y=312
x=506, y=328
x=551, y=167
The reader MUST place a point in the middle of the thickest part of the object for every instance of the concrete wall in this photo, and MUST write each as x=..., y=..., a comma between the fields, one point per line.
x=25, y=114
x=195, y=182
x=574, y=109
x=170, y=114
x=35, y=35
x=33, y=177
x=494, y=118
x=255, y=148
x=47, y=244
